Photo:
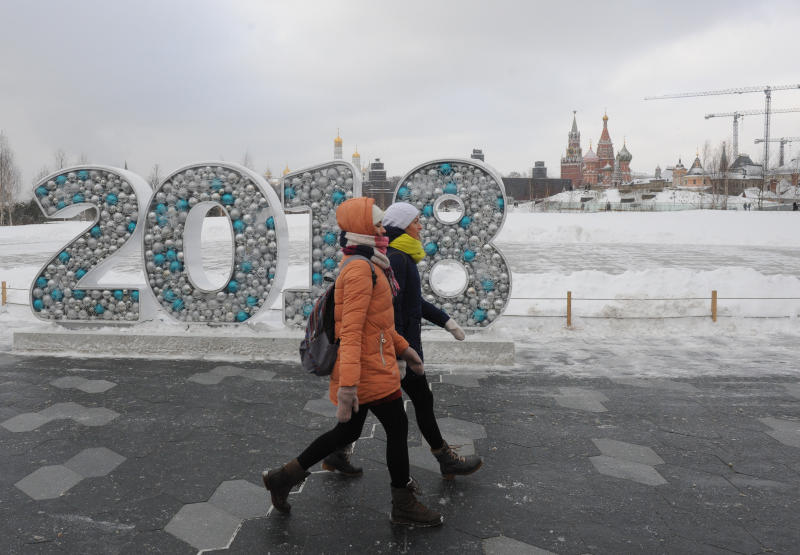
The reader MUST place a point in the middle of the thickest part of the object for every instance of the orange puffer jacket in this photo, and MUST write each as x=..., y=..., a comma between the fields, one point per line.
x=364, y=319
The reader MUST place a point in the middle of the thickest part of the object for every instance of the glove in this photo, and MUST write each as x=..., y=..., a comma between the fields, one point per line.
x=348, y=403
x=454, y=329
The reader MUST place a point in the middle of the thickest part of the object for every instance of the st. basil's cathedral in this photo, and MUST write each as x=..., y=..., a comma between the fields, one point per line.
x=595, y=169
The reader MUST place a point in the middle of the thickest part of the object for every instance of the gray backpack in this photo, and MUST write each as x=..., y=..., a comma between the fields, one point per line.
x=320, y=347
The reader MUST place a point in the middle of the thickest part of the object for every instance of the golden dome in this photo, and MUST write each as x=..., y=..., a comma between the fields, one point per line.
x=338, y=140
x=286, y=169
x=356, y=154
x=605, y=116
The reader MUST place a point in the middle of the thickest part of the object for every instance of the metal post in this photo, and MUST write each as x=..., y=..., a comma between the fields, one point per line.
x=714, y=305
x=569, y=309
x=767, y=107
x=3, y=294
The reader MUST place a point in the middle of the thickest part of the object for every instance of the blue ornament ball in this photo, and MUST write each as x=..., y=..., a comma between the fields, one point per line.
x=431, y=248
x=41, y=191
x=79, y=273
x=233, y=286
x=41, y=282
x=77, y=198
x=182, y=205
x=307, y=309
x=241, y=316
x=465, y=221
x=445, y=169
x=177, y=306
x=171, y=255
x=78, y=294
x=63, y=257
x=316, y=278
x=216, y=183
x=488, y=285
x=288, y=193
x=56, y=294
x=238, y=226
x=83, y=175
x=479, y=315
x=247, y=267
x=227, y=199
x=159, y=259
x=134, y=295
x=330, y=238
x=469, y=255
x=111, y=199
x=337, y=197
x=61, y=204
x=61, y=179
x=451, y=188
x=96, y=231
x=251, y=301
x=329, y=264
x=118, y=294
x=427, y=210
x=501, y=203
x=175, y=267
x=38, y=305
x=98, y=308
x=169, y=295
x=131, y=227
x=161, y=208
x=270, y=223
x=403, y=193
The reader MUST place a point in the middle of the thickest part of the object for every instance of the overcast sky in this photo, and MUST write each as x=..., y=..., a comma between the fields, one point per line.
x=176, y=82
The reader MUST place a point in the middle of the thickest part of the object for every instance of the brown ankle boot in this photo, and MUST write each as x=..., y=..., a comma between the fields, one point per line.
x=407, y=510
x=451, y=464
x=280, y=481
x=340, y=460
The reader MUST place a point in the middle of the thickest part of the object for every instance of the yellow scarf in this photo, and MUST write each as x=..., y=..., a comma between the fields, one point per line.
x=410, y=246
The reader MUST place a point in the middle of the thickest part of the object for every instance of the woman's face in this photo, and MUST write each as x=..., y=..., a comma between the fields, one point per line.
x=380, y=231
x=414, y=228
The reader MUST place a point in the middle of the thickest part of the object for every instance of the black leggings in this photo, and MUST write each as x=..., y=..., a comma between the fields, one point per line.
x=392, y=417
x=417, y=389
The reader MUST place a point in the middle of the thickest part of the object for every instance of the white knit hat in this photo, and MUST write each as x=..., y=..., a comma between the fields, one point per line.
x=377, y=214
x=400, y=214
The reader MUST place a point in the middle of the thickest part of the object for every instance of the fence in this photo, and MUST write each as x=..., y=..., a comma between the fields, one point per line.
x=713, y=300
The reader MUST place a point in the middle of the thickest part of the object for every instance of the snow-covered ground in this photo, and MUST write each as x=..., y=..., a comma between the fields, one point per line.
x=611, y=262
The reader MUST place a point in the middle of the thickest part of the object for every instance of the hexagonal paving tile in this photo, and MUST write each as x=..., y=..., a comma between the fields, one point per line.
x=501, y=545
x=95, y=462
x=241, y=498
x=219, y=373
x=29, y=421
x=323, y=407
x=785, y=431
x=48, y=482
x=581, y=399
x=78, y=382
x=204, y=526
x=627, y=470
x=628, y=451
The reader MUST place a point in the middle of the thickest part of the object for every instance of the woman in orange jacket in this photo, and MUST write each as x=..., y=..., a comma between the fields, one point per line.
x=366, y=375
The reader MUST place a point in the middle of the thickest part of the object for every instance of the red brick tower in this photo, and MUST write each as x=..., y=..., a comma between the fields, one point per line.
x=572, y=163
x=605, y=152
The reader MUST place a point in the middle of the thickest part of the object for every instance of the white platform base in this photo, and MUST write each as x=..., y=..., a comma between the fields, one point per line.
x=274, y=346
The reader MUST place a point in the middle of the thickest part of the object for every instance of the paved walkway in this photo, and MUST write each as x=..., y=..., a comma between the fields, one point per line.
x=124, y=456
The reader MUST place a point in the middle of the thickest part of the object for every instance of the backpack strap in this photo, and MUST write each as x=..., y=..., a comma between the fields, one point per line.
x=362, y=257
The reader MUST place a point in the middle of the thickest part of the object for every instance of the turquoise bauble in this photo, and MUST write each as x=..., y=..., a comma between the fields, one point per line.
x=445, y=169
x=83, y=175
x=171, y=255
x=41, y=191
x=175, y=267
x=161, y=208
x=238, y=226
x=247, y=267
x=63, y=257
x=451, y=188
x=77, y=198
x=41, y=282
x=330, y=238
x=118, y=294
x=177, y=306
x=96, y=231
x=111, y=199
x=337, y=197
x=216, y=183
x=78, y=294
x=270, y=223
x=131, y=227
x=38, y=305
x=182, y=205
x=403, y=193
x=479, y=315
x=241, y=316
x=329, y=264
x=227, y=199
x=307, y=309
x=468, y=255
x=169, y=295
x=56, y=295
x=79, y=273
x=233, y=286
x=431, y=248
x=134, y=295
x=61, y=179
x=427, y=210
x=159, y=259
x=98, y=308
x=288, y=193
x=251, y=301
x=465, y=221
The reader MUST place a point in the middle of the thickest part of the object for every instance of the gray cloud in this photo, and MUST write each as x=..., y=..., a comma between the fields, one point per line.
x=182, y=81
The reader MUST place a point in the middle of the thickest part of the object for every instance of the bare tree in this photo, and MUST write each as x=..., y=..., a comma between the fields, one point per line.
x=83, y=159
x=155, y=177
x=60, y=158
x=715, y=169
x=10, y=181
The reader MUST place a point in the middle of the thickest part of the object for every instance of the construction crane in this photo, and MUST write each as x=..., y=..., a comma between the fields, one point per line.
x=767, y=90
x=782, y=141
x=739, y=114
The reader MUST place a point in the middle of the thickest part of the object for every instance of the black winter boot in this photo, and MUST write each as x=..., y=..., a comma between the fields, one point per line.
x=280, y=481
x=340, y=460
x=407, y=510
x=451, y=464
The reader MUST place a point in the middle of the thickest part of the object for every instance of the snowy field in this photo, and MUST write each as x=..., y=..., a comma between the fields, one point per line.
x=611, y=262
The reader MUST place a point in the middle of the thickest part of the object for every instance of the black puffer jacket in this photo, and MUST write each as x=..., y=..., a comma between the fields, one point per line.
x=409, y=306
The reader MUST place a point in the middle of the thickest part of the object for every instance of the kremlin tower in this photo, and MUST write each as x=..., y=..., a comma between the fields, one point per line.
x=601, y=168
x=572, y=163
x=357, y=160
x=337, y=147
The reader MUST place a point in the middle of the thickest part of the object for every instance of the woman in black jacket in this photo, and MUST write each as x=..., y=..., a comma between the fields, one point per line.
x=405, y=251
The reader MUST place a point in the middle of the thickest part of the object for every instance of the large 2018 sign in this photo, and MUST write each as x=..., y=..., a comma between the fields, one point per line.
x=462, y=203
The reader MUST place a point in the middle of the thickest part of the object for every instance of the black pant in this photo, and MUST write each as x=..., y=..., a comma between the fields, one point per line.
x=392, y=417
x=418, y=390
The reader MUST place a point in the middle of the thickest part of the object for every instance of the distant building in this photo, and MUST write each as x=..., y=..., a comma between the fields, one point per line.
x=357, y=160
x=477, y=154
x=377, y=186
x=530, y=188
x=595, y=169
x=539, y=170
x=337, y=147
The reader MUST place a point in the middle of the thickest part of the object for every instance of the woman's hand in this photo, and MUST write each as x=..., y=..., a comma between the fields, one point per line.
x=414, y=362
